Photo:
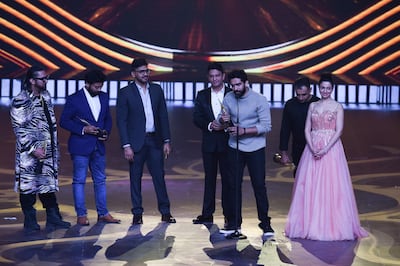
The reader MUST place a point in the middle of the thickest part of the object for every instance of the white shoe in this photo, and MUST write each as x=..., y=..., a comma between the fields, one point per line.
x=227, y=231
x=269, y=234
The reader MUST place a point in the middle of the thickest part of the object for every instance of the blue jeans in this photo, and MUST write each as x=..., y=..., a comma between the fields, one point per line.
x=97, y=165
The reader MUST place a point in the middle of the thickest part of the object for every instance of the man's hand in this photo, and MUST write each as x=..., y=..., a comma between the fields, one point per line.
x=128, y=153
x=92, y=130
x=39, y=153
x=236, y=131
x=167, y=150
x=216, y=126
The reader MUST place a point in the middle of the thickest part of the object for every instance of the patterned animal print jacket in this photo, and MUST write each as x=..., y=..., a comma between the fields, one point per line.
x=34, y=124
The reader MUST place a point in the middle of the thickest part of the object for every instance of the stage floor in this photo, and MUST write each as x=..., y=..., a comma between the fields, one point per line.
x=372, y=147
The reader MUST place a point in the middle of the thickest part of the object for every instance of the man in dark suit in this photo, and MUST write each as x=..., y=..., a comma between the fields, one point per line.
x=143, y=125
x=86, y=116
x=294, y=120
x=208, y=105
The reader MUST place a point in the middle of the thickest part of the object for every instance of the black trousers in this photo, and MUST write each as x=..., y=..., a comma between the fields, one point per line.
x=151, y=154
x=48, y=200
x=211, y=162
x=255, y=162
x=297, y=151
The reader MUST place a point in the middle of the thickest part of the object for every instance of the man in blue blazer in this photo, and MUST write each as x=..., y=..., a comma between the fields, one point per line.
x=142, y=120
x=87, y=117
x=214, y=147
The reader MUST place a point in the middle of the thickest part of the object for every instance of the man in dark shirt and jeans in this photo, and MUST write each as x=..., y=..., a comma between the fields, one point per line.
x=293, y=121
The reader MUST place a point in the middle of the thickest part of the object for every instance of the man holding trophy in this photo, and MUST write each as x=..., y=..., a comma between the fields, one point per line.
x=214, y=145
x=87, y=116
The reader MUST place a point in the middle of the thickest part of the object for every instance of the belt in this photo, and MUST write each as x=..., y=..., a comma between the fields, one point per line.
x=150, y=134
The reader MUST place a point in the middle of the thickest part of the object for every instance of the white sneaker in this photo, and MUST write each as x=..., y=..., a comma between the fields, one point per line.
x=269, y=234
x=227, y=231
x=268, y=231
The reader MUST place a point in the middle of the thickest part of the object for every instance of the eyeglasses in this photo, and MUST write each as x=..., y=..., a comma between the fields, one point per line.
x=43, y=78
x=144, y=71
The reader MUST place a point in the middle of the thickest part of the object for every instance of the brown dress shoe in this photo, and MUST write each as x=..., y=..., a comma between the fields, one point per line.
x=82, y=221
x=108, y=219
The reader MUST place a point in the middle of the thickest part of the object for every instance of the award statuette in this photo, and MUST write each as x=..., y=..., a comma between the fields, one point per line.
x=101, y=133
x=223, y=111
x=277, y=158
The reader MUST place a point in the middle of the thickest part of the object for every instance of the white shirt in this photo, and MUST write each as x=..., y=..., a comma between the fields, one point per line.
x=94, y=104
x=216, y=101
x=148, y=110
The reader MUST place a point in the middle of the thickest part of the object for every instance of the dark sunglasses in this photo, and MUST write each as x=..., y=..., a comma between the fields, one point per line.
x=43, y=78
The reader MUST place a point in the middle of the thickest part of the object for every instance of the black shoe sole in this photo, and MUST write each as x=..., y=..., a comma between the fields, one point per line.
x=202, y=222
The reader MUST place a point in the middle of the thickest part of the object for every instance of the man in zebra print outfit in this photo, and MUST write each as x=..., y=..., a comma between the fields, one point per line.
x=36, y=153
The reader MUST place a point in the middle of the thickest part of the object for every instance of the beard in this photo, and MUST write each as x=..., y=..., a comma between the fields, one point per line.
x=142, y=80
x=41, y=88
x=239, y=94
x=93, y=93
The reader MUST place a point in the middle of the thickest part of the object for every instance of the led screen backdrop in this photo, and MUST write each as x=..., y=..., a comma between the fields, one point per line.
x=272, y=40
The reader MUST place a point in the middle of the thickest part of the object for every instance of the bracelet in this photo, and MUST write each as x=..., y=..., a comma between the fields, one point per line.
x=244, y=131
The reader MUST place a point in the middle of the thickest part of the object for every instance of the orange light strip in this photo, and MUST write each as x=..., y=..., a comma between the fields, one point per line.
x=107, y=36
x=352, y=50
x=159, y=68
x=28, y=51
x=347, y=80
x=42, y=44
x=310, y=41
x=323, y=50
x=77, y=36
x=373, y=80
x=10, y=57
x=394, y=71
x=58, y=39
x=370, y=54
x=377, y=65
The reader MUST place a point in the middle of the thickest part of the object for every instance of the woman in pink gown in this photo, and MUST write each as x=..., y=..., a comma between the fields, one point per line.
x=323, y=204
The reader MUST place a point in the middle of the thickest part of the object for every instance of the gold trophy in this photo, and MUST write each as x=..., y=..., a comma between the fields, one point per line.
x=277, y=158
x=223, y=111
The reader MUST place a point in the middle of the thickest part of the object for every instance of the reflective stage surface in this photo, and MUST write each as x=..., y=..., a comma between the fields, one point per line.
x=372, y=147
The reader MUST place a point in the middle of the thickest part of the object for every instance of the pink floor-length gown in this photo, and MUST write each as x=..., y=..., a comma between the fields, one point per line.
x=323, y=204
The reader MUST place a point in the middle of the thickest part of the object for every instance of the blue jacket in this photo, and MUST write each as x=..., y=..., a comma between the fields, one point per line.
x=76, y=108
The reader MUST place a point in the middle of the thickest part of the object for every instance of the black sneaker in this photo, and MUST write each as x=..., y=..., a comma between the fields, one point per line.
x=167, y=218
x=268, y=231
x=229, y=230
x=137, y=219
x=203, y=220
